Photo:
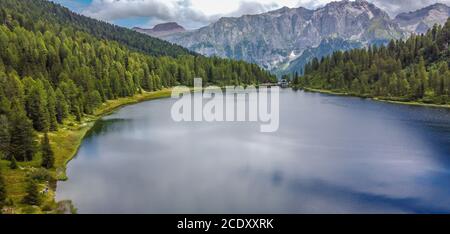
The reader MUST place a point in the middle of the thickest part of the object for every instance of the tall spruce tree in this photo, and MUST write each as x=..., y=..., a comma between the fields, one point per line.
x=32, y=193
x=5, y=136
x=36, y=103
x=61, y=108
x=2, y=190
x=48, y=158
x=22, y=145
x=13, y=163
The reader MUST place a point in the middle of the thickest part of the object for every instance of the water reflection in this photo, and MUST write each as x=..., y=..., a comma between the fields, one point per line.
x=331, y=155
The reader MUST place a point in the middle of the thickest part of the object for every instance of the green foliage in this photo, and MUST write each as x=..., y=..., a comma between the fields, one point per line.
x=2, y=191
x=61, y=106
x=5, y=136
x=57, y=65
x=48, y=158
x=32, y=194
x=36, y=106
x=22, y=145
x=413, y=70
x=42, y=16
x=13, y=163
x=40, y=175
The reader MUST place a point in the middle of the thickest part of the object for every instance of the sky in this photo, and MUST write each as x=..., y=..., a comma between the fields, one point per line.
x=197, y=13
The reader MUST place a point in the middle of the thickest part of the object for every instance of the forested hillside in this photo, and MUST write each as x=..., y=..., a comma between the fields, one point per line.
x=42, y=15
x=413, y=70
x=56, y=65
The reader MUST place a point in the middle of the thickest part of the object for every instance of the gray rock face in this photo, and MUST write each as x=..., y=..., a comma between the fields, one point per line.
x=284, y=40
x=162, y=30
x=326, y=47
x=275, y=38
x=421, y=20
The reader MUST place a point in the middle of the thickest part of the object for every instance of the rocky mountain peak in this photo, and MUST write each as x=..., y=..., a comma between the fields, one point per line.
x=162, y=30
x=167, y=26
x=274, y=38
x=354, y=8
x=421, y=20
x=438, y=6
x=278, y=38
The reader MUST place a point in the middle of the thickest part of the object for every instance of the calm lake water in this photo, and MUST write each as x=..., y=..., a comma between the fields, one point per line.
x=331, y=155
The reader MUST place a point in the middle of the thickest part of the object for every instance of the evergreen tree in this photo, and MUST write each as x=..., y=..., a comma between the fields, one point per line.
x=56, y=65
x=295, y=81
x=22, y=145
x=93, y=100
x=412, y=69
x=5, y=136
x=51, y=106
x=48, y=158
x=2, y=190
x=32, y=193
x=62, y=108
x=36, y=103
x=13, y=163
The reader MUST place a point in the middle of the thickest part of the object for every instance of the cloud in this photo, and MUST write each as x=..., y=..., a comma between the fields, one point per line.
x=188, y=13
x=392, y=7
x=158, y=11
x=246, y=8
x=312, y=4
x=253, y=7
x=395, y=7
x=164, y=10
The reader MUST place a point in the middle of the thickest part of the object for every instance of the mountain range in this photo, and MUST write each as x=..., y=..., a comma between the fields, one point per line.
x=284, y=40
x=421, y=20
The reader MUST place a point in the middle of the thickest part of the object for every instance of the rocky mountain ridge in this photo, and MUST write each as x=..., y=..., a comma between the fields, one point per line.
x=162, y=30
x=423, y=19
x=284, y=40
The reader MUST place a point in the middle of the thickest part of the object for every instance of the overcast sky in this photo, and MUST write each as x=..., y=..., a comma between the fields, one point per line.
x=196, y=13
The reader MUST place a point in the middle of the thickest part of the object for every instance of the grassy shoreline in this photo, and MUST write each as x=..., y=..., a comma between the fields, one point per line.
x=379, y=99
x=65, y=143
x=106, y=109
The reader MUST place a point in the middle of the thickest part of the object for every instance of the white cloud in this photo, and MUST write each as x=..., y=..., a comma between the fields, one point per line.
x=196, y=13
x=394, y=7
x=122, y=9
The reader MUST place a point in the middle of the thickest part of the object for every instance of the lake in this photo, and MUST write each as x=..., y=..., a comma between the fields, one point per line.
x=331, y=154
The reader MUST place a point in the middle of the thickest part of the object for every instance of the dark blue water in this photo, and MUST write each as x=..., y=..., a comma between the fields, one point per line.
x=331, y=155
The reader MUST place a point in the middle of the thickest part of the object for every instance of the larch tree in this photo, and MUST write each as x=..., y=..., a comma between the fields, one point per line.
x=48, y=157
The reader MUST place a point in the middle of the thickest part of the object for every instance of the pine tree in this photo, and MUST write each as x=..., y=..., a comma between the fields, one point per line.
x=2, y=190
x=13, y=163
x=394, y=85
x=5, y=136
x=51, y=106
x=22, y=144
x=93, y=100
x=62, y=108
x=295, y=81
x=36, y=104
x=32, y=194
x=48, y=158
x=416, y=69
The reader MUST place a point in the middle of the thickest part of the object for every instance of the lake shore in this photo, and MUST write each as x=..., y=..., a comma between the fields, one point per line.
x=68, y=153
x=380, y=99
x=318, y=133
x=67, y=140
x=65, y=144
